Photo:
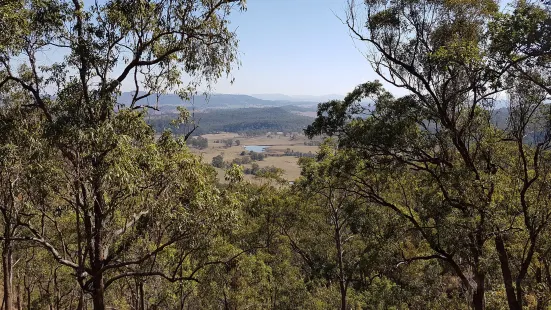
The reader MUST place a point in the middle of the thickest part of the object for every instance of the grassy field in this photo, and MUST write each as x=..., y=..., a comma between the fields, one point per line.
x=278, y=144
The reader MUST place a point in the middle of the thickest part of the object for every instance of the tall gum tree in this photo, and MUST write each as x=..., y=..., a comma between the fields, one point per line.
x=444, y=54
x=435, y=157
x=122, y=199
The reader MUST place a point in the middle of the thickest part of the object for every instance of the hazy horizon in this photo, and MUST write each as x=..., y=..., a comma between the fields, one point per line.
x=296, y=48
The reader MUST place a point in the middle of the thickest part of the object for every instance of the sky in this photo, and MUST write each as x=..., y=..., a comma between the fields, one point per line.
x=290, y=47
x=296, y=47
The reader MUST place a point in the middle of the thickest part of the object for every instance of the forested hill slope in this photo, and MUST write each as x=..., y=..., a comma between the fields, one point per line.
x=252, y=120
x=166, y=102
x=260, y=120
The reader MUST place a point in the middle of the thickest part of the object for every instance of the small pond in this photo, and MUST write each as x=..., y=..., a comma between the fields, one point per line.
x=256, y=148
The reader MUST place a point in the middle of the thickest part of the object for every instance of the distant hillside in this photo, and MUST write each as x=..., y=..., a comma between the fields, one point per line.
x=251, y=120
x=168, y=103
x=299, y=98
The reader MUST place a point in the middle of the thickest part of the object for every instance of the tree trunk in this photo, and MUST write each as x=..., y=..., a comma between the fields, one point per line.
x=7, y=269
x=478, y=296
x=342, y=280
x=19, y=301
x=80, y=305
x=506, y=273
x=98, y=285
x=28, y=291
x=98, y=292
x=140, y=294
x=539, y=280
x=226, y=304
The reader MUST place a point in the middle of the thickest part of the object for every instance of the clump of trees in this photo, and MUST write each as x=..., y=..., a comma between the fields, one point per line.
x=198, y=142
x=228, y=142
x=264, y=171
x=218, y=161
x=256, y=156
x=289, y=152
x=242, y=160
x=312, y=143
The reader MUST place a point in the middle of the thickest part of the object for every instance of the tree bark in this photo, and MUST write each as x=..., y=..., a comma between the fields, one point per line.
x=506, y=273
x=141, y=296
x=7, y=269
x=540, y=302
x=478, y=296
x=80, y=305
x=19, y=301
x=342, y=280
x=98, y=293
x=98, y=259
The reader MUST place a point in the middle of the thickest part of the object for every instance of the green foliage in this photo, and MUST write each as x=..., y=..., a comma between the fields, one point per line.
x=218, y=161
x=112, y=202
x=198, y=142
x=228, y=142
x=252, y=120
x=256, y=156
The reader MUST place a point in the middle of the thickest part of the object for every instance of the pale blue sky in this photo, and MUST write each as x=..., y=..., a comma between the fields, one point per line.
x=291, y=47
x=296, y=47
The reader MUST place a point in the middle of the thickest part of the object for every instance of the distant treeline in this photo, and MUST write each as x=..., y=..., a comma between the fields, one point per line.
x=289, y=152
x=247, y=121
x=218, y=161
x=256, y=170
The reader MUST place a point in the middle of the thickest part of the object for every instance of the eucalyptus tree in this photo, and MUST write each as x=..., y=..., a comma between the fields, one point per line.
x=328, y=217
x=520, y=39
x=23, y=160
x=435, y=156
x=120, y=199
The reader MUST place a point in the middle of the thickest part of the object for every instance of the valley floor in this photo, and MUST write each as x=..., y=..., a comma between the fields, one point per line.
x=278, y=144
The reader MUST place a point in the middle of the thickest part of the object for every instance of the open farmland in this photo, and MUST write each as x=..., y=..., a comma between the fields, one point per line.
x=277, y=145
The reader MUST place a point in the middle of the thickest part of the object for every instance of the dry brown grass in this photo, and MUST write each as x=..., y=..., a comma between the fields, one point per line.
x=278, y=145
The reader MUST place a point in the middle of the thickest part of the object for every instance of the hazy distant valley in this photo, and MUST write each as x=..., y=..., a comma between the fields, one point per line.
x=167, y=103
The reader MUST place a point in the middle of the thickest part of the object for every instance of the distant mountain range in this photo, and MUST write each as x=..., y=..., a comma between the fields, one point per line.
x=307, y=98
x=297, y=104
x=169, y=102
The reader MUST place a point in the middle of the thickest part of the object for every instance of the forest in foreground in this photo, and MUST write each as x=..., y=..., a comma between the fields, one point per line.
x=419, y=203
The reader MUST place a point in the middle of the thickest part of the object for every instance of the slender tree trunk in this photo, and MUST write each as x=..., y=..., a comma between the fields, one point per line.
x=226, y=303
x=342, y=280
x=28, y=291
x=98, y=259
x=539, y=280
x=506, y=273
x=7, y=269
x=19, y=301
x=98, y=293
x=478, y=296
x=80, y=305
x=57, y=296
x=141, y=296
